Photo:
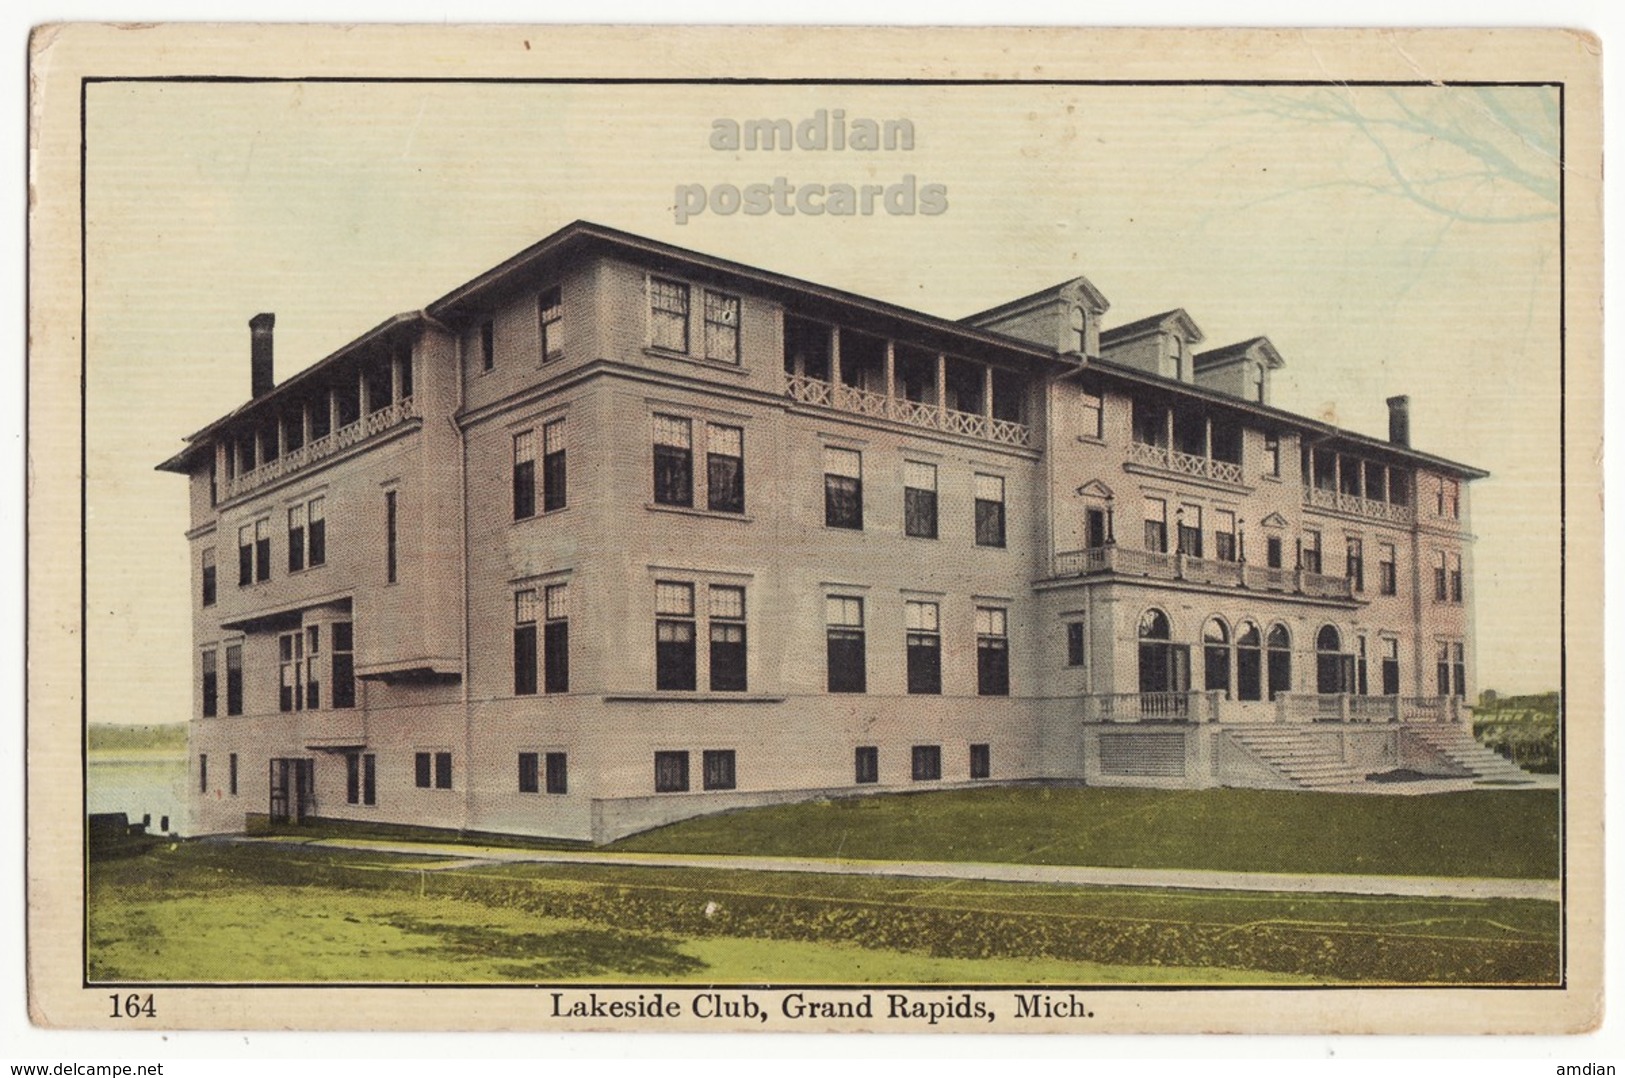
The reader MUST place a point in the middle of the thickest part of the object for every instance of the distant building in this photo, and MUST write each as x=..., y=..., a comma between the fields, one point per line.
x=618, y=533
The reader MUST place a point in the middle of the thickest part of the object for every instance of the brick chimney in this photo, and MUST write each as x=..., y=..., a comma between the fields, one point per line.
x=1399, y=421
x=259, y=354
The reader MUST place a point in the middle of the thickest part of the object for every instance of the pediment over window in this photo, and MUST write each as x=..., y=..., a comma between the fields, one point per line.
x=1095, y=489
x=1274, y=520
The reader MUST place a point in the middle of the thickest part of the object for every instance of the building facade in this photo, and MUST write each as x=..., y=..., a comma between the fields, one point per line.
x=618, y=533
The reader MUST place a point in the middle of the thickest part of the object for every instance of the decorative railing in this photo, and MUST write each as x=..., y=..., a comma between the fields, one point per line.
x=1364, y=507
x=1231, y=574
x=1148, y=707
x=799, y=387
x=1210, y=571
x=1325, y=587
x=316, y=449
x=1172, y=460
x=1355, y=708
x=1267, y=579
x=1423, y=709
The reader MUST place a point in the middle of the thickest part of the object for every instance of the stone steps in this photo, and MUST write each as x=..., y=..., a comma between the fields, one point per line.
x=1462, y=749
x=1298, y=757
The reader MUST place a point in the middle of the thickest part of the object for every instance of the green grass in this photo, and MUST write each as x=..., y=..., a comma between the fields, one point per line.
x=1509, y=833
x=167, y=738
x=217, y=912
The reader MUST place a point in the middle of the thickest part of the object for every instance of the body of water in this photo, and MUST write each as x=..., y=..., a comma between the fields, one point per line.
x=138, y=784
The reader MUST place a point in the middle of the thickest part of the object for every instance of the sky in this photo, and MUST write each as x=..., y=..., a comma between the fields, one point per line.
x=1386, y=241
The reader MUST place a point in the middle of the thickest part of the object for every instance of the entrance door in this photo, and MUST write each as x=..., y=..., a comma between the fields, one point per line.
x=293, y=789
x=1094, y=528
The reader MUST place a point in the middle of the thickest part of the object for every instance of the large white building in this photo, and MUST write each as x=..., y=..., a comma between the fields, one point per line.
x=618, y=533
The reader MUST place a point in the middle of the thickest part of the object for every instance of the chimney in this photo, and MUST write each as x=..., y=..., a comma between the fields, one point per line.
x=1399, y=421
x=259, y=354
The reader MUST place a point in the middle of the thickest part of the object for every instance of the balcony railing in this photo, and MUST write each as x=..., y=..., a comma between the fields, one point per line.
x=1354, y=708
x=316, y=449
x=844, y=398
x=1150, y=707
x=1172, y=460
x=1358, y=506
x=1234, y=574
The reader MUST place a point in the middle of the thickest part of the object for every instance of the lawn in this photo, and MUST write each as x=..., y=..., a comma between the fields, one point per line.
x=1474, y=833
x=227, y=913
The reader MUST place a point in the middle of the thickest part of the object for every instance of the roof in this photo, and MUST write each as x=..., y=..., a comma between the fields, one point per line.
x=1055, y=293
x=1172, y=321
x=1252, y=348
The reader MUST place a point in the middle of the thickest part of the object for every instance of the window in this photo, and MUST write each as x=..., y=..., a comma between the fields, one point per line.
x=245, y=555
x=1449, y=500
x=843, y=488
x=291, y=684
x=554, y=471
x=1279, y=645
x=721, y=327
x=1156, y=526
x=1249, y=662
x=843, y=619
x=433, y=769
x=1092, y=412
x=529, y=773
x=557, y=773
x=1390, y=667
x=725, y=469
x=1272, y=454
x=674, y=636
x=556, y=638
x=1458, y=668
x=313, y=681
x=234, y=679
x=1224, y=535
x=989, y=510
x=1074, y=643
x=1355, y=558
x=1311, y=552
x=866, y=764
x=1216, y=657
x=352, y=778
x=1387, y=570
x=549, y=312
x=211, y=683
x=919, y=500
x=1189, y=518
x=1362, y=683
x=524, y=475
x=442, y=770
x=296, y=538
x=317, y=537
x=214, y=482
x=671, y=772
x=488, y=345
x=208, y=577
x=546, y=771
x=343, y=665
x=391, y=559
x=924, y=643
x=203, y=772
x=674, y=461
x=717, y=769
x=726, y=606
x=1272, y=551
x=668, y=315
x=1333, y=669
x=992, y=652
x=1441, y=579
x=231, y=774
x=369, y=779
x=423, y=770
x=981, y=762
x=1442, y=667
x=524, y=642
x=1455, y=578
x=927, y=763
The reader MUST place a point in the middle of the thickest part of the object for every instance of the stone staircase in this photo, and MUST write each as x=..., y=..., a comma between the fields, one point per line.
x=1298, y=756
x=1458, y=745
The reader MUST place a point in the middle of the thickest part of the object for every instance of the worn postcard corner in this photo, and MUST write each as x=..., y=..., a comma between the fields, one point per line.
x=739, y=529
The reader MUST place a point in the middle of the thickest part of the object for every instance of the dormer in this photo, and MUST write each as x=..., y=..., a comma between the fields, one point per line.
x=1162, y=344
x=1241, y=369
x=1065, y=317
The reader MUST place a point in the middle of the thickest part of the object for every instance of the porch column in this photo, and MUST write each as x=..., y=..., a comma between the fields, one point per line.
x=891, y=369
x=361, y=391
x=987, y=392
x=304, y=422
x=281, y=439
x=1168, y=428
x=834, y=356
x=1207, y=437
x=942, y=385
x=332, y=410
x=1337, y=472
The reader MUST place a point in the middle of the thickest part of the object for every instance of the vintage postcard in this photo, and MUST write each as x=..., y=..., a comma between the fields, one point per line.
x=732, y=529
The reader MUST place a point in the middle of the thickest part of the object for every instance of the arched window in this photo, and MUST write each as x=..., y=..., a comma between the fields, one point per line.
x=1249, y=662
x=1165, y=667
x=1216, y=657
x=1334, y=671
x=1279, y=646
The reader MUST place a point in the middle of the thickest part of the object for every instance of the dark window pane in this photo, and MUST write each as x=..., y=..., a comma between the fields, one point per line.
x=390, y=551
x=727, y=657
x=726, y=480
x=674, y=655
x=245, y=565
x=343, y=679
x=1074, y=643
x=719, y=769
x=924, y=663
x=671, y=772
x=992, y=667
x=296, y=548
x=866, y=763
x=1390, y=677
x=557, y=773
x=234, y=681
x=556, y=638
x=843, y=502
x=262, y=559
x=423, y=770
x=981, y=762
x=442, y=770
x=553, y=481
x=1272, y=547
x=208, y=585
x=920, y=513
x=529, y=779
x=524, y=660
x=927, y=760
x=369, y=779
x=318, y=543
x=352, y=777
x=1156, y=536
x=1190, y=541
x=211, y=687
x=524, y=489
x=846, y=668
x=989, y=523
x=674, y=476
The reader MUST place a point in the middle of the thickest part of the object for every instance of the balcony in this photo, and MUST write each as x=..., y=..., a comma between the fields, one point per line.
x=317, y=449
x=1371, y=509
x=1300, y=708
x=843, y=398
x=1178, y=463
x=1151, y=707
x=1352, y=708
x=1121, y=561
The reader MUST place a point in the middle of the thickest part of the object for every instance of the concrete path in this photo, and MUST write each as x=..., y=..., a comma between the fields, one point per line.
x=464, y=856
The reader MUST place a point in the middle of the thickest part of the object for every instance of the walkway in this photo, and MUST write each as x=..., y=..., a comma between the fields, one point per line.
x=462, y=855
